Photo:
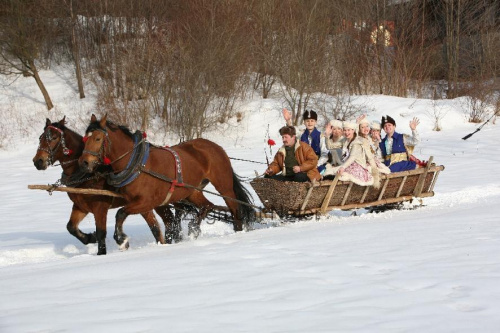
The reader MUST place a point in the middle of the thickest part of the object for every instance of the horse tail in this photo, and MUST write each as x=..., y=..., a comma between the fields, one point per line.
x=245, y=212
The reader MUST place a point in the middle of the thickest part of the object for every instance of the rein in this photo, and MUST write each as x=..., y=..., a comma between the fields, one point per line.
x=241, y=159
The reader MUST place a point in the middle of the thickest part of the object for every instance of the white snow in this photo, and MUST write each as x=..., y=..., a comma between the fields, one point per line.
x=434, y=268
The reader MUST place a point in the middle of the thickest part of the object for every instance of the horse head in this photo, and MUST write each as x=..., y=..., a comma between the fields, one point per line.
x=96, y=141
x=51, y=144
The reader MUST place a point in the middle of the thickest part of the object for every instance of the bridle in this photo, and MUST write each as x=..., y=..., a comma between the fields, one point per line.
x=101, y=154
x=51, y=151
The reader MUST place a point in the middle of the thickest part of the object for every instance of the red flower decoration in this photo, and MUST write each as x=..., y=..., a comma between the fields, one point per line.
x=106, y=161
x=144, y=135
x=85, y=138
x=67, y=151
x=271, y=142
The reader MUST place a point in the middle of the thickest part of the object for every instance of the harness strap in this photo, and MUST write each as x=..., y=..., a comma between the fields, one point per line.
x=178, y=182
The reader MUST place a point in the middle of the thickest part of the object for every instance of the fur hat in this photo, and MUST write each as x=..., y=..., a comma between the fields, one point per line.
x=389, y=120
x=336, y=123
x=364, y=121
x=376, y=125
x=310, y=114
x=348, y=124
x=290, y=130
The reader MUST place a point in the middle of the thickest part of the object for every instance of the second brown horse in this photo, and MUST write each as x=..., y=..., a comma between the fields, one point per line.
x=155, y=179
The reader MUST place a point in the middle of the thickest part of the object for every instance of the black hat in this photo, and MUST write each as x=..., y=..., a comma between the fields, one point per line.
x=310, y=114
x=387, y=119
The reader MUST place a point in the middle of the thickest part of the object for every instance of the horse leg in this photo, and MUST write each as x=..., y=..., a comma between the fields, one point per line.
x=172, y=223
x=101, y=216
x=204, y=205
x=120, y=237
x=154, y=226
x=177, y=226
x=77, y=215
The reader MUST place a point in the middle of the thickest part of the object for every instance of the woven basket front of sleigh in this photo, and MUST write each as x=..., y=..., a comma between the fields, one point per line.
x=280, y=196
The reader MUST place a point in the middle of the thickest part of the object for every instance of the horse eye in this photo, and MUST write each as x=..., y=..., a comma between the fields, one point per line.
x=97, y=139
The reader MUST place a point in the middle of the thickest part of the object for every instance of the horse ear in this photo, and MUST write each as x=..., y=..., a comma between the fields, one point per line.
x=102, y=123
x=93, y=118
x=47, y=122
x=62, y=122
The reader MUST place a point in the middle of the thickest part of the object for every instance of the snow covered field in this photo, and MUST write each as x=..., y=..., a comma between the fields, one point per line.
x=435, y=268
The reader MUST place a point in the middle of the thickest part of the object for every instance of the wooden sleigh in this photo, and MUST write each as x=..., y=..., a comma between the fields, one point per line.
x=298, y=199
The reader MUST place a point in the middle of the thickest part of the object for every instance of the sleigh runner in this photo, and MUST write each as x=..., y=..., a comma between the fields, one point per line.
x=297, y=199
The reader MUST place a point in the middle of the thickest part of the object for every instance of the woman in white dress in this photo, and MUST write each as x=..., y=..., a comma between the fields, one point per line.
x=358, y=162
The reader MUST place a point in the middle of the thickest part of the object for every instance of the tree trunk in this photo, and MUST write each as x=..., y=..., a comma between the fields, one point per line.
x=76, y=52
x=40, y=84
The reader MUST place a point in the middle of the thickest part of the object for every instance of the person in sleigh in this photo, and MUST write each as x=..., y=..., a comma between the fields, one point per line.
x=294, y=161
x=397, y=148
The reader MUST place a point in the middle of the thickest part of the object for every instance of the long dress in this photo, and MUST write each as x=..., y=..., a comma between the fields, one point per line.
x=359, y=164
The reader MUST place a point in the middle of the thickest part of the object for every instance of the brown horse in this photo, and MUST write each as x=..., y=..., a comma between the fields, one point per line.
x=162, y=176
x=58, y=143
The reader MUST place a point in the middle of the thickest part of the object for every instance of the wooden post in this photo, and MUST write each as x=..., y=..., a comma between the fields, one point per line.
x=77, y=190
x=364, y=194
x=383, y=189
x=421, y=179
x=306, y=199
x=346, y=195
x=328, y=196
x=401, y=186
x=434, y=180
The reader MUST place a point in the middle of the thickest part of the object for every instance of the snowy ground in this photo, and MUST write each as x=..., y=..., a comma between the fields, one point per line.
x=431, y=269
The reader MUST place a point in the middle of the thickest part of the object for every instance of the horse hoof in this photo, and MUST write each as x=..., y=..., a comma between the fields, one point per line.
x=124, y=245
x=169, y=238
x=101, y=252
x=194, y=233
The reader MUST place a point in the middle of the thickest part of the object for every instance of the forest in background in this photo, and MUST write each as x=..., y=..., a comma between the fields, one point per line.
x=188, y=62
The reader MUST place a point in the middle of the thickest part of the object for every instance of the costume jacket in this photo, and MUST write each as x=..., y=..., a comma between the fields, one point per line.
x=313, y=139
x=306, y=157
x=398, y=159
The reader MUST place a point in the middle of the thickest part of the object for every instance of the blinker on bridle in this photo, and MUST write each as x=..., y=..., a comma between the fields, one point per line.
x=66, y=151
x=101, y=154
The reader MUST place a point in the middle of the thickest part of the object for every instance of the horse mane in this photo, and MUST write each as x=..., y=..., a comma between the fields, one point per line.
x=112, y=126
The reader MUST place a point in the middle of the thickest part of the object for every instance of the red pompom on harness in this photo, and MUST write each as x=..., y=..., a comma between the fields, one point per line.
x=67, y=151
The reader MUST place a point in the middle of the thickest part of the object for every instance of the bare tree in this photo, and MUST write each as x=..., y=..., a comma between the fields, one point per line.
x=75, y=46
x=303, y=62
x=23, y=30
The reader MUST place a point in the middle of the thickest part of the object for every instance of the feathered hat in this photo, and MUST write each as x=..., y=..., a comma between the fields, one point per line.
x=387, y=119
x=310, y=114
